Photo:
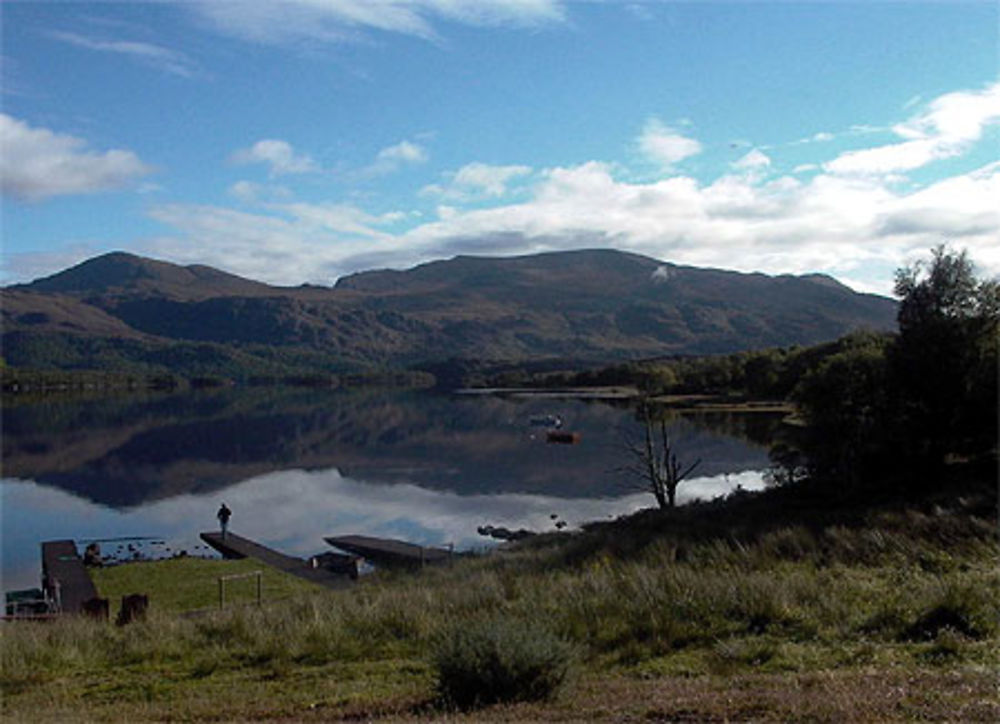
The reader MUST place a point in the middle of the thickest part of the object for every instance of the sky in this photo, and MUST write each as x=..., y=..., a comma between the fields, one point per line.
x=299, y=141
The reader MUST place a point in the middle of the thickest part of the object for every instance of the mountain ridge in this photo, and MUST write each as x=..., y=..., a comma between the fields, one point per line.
x=124, y=271
x=596, y=305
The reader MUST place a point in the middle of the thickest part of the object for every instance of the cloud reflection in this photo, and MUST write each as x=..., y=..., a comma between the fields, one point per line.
x=293, y=510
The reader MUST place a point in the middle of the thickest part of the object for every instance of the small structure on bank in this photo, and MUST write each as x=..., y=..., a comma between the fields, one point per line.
x=236, y=546
x=65, y=581
x=389, y=552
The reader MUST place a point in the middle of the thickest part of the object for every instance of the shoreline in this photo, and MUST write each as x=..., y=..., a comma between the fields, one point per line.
x=687, y=402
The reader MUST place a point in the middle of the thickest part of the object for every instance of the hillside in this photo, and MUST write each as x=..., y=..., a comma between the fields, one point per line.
x=585, y=306
x=124, y=274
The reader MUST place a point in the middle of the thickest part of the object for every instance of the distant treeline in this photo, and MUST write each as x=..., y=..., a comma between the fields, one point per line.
x=46, y=382
x=758, y=374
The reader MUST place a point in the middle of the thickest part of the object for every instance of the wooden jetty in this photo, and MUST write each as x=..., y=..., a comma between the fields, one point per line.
x=389, y=552
x=235, y=546
x=64, y=578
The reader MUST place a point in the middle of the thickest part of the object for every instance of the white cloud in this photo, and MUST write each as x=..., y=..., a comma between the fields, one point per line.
x=249, y=192
x=477, y=180
x=665, y=146
x=391, y=158
x=819, y=137
x=955, y=208
x=37, y=163
x=829, y=223
x=949, y=126
x=752, y=161
x=288, y=243
x=342, y=219
x=279, y=155
x=403, y=152
x=490, y=180
x=245, y=191
x=888, y=159
x=343, y=20
x=169, y=61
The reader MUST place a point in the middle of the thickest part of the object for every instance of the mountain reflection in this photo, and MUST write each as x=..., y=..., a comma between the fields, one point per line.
x=130, y=451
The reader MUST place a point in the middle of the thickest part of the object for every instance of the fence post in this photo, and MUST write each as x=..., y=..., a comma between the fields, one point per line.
x=222, y=585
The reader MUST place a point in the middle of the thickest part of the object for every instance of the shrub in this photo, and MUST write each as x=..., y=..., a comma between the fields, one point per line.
x=500, y=660
x=965, y=609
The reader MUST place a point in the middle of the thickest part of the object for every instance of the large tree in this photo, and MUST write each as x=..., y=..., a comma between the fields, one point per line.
x=944, y=363
x=876, y=405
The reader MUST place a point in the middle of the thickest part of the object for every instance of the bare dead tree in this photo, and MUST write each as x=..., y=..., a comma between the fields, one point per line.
x=655, y=461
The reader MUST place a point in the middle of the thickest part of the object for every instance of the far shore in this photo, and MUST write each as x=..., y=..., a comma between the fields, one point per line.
x=593, y=393
x=704, y=403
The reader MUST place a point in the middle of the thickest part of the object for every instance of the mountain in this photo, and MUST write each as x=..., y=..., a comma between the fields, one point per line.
x=593, y=305
x=119, y=273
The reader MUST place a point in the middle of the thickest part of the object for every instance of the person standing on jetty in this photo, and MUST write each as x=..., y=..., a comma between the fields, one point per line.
x=223, y=516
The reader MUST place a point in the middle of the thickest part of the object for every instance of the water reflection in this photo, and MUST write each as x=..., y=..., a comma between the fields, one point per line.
x=293, y=510
x=295, y=468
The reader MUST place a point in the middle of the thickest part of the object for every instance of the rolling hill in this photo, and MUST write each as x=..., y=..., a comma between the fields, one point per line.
x=128, y=312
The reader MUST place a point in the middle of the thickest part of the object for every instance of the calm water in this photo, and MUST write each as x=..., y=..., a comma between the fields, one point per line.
x=295, y=467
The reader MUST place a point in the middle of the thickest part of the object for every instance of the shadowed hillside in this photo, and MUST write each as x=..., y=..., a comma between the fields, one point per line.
x=587, y=306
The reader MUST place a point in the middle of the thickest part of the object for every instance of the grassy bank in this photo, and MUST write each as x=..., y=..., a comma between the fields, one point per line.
x=718, y=611
x=189, y=584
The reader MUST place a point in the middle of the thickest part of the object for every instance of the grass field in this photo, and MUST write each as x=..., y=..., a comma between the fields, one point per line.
x=718, y=612
x=187, y=584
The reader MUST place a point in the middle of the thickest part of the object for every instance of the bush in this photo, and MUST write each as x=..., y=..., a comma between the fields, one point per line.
x=500, y=660
x=964, y=609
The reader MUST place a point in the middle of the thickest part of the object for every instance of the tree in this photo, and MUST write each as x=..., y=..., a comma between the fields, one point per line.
x=874, y=404
x=655, y=460
x=844, y=402
x=944, y=363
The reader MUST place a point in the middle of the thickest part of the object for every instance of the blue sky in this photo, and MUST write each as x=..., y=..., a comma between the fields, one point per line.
x=299, y=141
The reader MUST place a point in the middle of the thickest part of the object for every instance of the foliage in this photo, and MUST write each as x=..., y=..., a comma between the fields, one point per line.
x=844, y=400
x=945, y=360
x=499, y=660
x=910, y=402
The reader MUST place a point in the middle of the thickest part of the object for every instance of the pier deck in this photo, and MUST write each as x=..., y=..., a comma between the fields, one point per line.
x=235, y=546
x=65, y=578
x=387, y=551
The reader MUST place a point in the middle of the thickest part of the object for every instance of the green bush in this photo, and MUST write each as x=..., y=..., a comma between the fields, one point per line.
x=500, y=660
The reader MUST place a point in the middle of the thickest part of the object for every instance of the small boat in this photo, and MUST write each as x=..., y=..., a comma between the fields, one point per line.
x=564, y=438
x=553, y=422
